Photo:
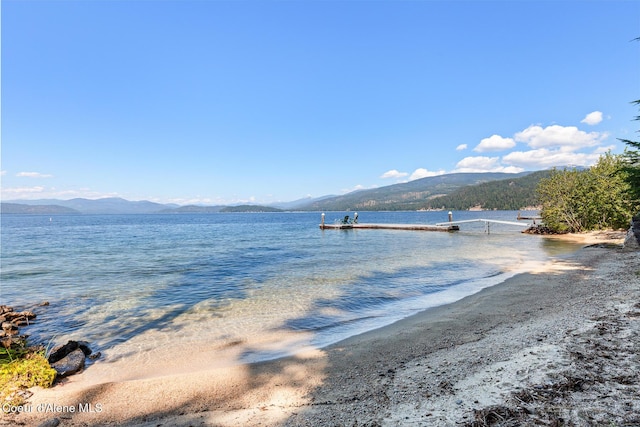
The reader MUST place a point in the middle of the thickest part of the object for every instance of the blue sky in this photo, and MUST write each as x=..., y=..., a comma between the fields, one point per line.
x=261, y=101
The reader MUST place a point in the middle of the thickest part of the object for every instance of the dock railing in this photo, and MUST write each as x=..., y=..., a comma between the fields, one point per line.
x=487, y=223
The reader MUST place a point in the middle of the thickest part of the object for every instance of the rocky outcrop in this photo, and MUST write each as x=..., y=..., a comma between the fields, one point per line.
x=66, y=359
x=540, y=229
x=10, y=322
x=632, y=241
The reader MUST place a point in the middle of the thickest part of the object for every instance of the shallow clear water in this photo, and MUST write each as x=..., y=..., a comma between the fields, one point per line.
x=130, y=283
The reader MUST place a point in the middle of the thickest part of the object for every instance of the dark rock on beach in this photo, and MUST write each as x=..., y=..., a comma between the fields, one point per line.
x=62, y=351
x=632, y=241
x=70, y=364
x=53, y=422
x=69, y=359
x=539, y=229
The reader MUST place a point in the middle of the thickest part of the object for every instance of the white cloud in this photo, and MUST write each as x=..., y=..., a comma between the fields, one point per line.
x=567, y=137
x=393, y=174
x=484, y=164
x=19, y=191
x=550, y=146
x=41, y=192
x=33, y=175
x=495, y=143
x=461, y=147
x=593, y=118
x=545, y=158
x=423, y=173
x=477, y=164
x=604, y=149
x=509, y=169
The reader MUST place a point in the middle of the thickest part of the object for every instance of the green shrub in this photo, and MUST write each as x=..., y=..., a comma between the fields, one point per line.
x=593, y=199
x=29, y=371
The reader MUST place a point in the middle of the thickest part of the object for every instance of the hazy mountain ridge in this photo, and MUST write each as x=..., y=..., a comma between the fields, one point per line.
x=17, y=208
x=192, y=209
x=250, y=208
x=107, y=205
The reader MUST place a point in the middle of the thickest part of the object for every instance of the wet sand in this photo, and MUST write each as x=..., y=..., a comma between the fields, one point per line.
x=560, y=341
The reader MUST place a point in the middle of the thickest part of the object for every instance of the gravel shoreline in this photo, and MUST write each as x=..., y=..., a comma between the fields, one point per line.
x=559, y=346
x=556, y=348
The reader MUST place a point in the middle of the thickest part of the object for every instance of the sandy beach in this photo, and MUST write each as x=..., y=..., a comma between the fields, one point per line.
x=559, y=344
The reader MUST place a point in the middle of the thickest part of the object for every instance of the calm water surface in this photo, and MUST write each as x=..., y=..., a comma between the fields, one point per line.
x=130, y=283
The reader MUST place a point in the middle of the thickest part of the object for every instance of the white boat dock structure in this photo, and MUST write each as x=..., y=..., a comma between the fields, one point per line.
x=417, y=227
x=349, y=224
x=450, y=225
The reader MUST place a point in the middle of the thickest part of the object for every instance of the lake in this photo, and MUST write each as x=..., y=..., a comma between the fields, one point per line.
x=270, y=283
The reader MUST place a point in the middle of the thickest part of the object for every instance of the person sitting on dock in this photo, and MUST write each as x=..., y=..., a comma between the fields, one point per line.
x=346, y=219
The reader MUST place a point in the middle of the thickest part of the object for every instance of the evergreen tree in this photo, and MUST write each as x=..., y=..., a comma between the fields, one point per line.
x=631, y=167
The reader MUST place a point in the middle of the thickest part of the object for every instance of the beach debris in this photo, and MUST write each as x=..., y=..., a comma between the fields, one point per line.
x=497, y=415
x=602, y=376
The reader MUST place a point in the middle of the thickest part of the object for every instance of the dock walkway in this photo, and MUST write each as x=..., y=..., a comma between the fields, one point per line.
x=420, y=227
x=487, y=223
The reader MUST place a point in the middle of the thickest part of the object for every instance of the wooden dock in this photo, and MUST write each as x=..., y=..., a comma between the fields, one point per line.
x=419, y=227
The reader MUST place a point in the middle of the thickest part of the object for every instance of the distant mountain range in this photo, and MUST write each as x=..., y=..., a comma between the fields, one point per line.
x=451, y=191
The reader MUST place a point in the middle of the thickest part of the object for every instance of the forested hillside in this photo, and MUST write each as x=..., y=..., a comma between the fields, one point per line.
x=413, y=195
x=507, y=194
